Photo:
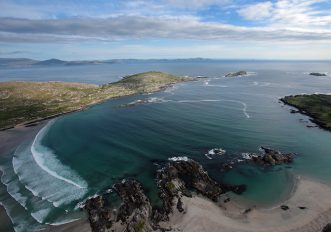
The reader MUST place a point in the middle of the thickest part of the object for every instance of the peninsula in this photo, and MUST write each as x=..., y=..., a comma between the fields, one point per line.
x=28, y=102
x=317, y=106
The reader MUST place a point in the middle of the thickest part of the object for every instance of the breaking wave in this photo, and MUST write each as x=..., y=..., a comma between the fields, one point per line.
x=179, y=158
x=43, y=155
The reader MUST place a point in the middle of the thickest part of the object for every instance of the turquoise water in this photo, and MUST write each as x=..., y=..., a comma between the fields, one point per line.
x=82, y=153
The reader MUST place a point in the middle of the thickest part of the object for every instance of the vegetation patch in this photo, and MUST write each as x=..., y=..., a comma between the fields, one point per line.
x=317, y=106
x=24, y=102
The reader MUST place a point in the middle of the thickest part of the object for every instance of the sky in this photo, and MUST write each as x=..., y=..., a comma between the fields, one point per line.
x=144, y=29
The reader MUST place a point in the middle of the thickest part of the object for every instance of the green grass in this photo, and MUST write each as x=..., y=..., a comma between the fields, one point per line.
x=317, y=106
x=22, y=102
x=139, y=227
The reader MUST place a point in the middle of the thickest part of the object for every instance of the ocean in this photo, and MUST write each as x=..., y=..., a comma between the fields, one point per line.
x=80, y=154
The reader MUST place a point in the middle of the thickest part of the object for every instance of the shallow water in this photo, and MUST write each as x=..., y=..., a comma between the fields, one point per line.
x=83, y=153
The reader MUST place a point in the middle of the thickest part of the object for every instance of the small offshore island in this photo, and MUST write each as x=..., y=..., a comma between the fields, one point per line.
x=29, y=102
x=317, y=74
x=236, y=74
x=317, y=106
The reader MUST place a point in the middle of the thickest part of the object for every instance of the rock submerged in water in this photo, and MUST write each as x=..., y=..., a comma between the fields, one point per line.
x=236, y=74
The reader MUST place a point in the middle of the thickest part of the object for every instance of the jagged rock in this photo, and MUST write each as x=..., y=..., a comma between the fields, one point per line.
x=272, y=157
x=133, y=214
x=176, y=177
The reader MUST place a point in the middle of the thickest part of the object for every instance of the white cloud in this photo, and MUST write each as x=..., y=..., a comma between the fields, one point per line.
x=138, y=27
x=256, y=11
x=289, y=13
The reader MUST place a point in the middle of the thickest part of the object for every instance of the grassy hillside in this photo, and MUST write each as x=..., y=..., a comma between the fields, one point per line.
x=317, y=106
x=21, y=102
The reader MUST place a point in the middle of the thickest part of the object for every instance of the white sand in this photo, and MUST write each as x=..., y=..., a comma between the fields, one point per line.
x=204, y=215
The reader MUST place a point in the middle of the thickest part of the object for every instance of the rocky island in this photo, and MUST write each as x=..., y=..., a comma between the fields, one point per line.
x=236, y=74
x=317, y=74
x=316, y=106
x=28, y=102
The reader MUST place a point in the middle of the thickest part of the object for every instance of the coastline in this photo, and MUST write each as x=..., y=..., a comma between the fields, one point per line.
x=204, y=215
x=302, y=111
x=11, y=139
x=37, y=120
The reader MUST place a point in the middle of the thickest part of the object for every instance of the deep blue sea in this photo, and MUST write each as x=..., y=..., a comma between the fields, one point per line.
x=79, y=154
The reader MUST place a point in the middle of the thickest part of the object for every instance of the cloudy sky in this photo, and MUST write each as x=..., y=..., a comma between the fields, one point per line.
x=226, y=29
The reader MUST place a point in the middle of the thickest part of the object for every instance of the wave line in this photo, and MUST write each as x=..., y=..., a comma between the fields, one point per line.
x=40, y=162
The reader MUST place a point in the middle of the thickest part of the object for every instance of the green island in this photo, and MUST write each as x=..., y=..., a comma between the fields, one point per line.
x=29, y=102
x=317, y=106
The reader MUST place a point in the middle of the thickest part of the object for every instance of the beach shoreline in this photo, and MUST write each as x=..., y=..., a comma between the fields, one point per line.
x=312, y=196
x=205, y=215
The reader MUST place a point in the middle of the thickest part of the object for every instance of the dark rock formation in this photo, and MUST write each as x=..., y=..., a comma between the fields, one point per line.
x=272, y=157
x=317, y=74
x=284, y=207
x=227, y=200
x=135, y=213
x=236, y=74
x=178, y=177
x=132, y=215
x=327, y=228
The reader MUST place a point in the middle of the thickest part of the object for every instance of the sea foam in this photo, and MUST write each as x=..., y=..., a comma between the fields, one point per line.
x=47, y=161
x=179, y=158
x=37, y=167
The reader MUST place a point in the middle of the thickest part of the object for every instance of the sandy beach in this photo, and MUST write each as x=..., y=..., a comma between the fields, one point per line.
x=204, y=215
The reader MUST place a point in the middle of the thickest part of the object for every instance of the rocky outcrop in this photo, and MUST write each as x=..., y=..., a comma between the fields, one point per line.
x=177, y=178
x=135, y=213
x=132, y=215
x=317, y=74
x=236, y=74
x=273, y=157
x=270, y=157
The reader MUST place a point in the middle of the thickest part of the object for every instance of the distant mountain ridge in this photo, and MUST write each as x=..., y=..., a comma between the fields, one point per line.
x=24, y=62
